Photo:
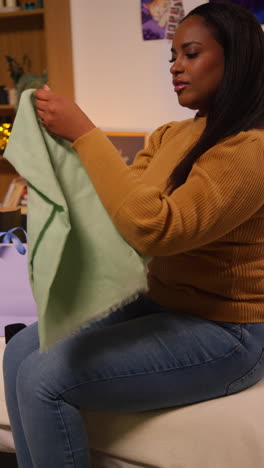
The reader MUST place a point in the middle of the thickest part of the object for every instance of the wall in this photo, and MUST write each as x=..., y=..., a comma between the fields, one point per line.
x=121, y=81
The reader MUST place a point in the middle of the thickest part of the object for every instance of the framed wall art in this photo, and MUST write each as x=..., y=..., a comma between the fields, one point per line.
x=128, y=143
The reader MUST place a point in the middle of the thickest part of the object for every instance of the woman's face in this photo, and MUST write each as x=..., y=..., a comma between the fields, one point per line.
x=197, y=64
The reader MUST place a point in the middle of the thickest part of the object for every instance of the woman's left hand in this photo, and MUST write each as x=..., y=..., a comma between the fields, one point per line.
x=60, y=115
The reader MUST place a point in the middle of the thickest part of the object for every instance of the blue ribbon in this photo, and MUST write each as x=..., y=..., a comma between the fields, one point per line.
x=10, y=237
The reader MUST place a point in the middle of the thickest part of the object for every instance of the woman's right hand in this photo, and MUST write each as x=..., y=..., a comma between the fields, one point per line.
x=61, y=116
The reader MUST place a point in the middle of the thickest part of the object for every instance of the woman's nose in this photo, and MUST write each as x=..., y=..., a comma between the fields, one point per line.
x=177, y=67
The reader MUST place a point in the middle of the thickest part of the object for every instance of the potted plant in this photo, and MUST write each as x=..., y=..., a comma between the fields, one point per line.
x=23, y=78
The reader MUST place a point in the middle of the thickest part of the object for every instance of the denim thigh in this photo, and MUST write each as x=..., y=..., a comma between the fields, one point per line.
x=146, y=357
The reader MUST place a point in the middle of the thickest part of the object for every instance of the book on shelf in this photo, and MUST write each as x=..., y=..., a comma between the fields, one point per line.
x=15, y=192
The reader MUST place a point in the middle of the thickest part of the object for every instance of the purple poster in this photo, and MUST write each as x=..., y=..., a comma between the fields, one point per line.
x=160, y=18
x=255, y=6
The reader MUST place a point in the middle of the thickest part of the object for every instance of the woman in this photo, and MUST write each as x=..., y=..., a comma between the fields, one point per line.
x=194, y=201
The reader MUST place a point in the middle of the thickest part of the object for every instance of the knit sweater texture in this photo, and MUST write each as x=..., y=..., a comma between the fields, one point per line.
x=207, y=237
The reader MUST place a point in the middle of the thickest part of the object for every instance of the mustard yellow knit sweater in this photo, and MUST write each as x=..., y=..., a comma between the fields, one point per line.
x=207, y=237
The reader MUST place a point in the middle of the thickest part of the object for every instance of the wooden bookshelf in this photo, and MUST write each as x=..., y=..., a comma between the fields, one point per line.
x=59, y=46
x=6, y=110
x=44, y=35
x=7, y=174
x=36, y=11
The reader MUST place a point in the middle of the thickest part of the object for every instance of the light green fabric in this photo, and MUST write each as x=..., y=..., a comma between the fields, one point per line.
x=80, y=266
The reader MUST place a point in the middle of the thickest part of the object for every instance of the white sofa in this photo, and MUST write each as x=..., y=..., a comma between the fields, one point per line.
x=223, y=433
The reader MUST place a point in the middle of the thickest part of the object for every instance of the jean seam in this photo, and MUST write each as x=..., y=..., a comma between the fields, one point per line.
x=138, y=374
x=67, y=436
x=241, y=337
x=248, y=374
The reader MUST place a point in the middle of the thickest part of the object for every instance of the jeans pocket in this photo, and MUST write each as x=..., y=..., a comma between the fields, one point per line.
x=250, y=378
x=234, y=328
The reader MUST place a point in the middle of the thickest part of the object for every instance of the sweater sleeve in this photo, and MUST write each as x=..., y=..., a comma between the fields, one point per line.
x=107, y=170
x=144, y=157
x=223, y=190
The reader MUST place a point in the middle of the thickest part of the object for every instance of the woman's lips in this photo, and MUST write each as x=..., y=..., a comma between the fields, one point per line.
x=179, y=85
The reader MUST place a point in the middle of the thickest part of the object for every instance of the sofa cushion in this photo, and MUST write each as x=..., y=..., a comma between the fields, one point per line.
x=6, y=439
x=223, y=433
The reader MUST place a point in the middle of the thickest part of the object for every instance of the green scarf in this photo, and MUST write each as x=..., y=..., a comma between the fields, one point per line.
x=80, y=267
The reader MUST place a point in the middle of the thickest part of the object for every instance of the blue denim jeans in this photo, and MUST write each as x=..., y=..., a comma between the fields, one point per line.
x=140, y=358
